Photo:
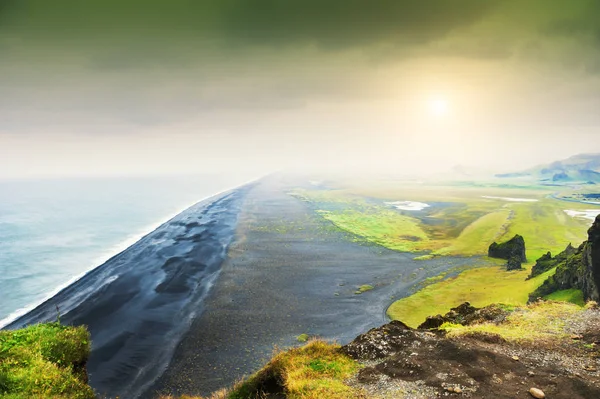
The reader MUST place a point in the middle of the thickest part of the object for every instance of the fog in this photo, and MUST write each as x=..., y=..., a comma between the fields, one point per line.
x=114, y=88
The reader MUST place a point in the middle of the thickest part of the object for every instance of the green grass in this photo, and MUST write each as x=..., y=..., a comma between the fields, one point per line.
x=534, y=322
x=364, y=288
x=314, y=371
x=465, y=226
x=44, y=361
x=546, y=227
x=573, y=295
x=477, y=237
x=481, y=287
x=302, y=338
x=381, y=226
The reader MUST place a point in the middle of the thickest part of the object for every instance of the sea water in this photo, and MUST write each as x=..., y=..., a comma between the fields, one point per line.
x=54, y=231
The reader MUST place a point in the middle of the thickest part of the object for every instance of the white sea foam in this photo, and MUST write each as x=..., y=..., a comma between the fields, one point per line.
x=408, y=205
x=510, y=199
x=589, y=214
x=101, y=260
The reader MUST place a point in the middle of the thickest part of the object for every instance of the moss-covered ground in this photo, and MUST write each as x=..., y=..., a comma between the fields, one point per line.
x=537, y=321
x=44, y=361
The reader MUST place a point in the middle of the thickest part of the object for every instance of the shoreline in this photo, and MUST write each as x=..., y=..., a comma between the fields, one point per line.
x=139, y=302
x=114, y=251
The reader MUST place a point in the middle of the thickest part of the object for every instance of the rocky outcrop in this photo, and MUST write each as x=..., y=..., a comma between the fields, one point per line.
x=575, y=268
x=514, y=263
x=547, y=262
x=431, y=364
x=591, y=263
x=466, y=314
x=512, y=250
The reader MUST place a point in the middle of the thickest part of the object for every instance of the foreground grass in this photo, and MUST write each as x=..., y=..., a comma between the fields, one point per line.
x=314, y=371
x=481, y=287
x=44, y=361
x=534, y=322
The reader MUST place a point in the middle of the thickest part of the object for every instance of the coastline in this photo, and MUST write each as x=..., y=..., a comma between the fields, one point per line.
x=139, y=302
x=112, y=252
x=288, y=272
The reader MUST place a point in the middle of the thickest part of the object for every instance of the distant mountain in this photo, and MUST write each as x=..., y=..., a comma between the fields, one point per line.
x=582, y=168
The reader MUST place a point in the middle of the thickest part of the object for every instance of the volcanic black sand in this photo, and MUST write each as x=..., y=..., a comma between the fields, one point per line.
x=139, y=303
x=289, y=272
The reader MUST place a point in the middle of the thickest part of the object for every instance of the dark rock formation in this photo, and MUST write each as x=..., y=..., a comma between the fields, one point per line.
x=512, y=250
x=381, y=342
x=514, y=263
x=591, y=262
x=466, y=314
x=547, y=262
x=576, y=268
x=542, y=264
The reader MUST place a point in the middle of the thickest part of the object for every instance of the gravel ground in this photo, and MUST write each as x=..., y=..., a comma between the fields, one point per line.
x=400, y=362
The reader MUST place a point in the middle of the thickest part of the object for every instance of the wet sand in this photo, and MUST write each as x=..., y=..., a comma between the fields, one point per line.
x=288, y=272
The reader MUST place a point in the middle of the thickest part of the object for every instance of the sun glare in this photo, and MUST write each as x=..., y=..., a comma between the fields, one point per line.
x=438, y=107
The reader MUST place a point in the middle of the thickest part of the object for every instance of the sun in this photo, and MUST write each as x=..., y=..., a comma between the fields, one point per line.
x=438, y=106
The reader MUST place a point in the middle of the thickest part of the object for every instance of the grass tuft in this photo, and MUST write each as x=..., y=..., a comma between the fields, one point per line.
x=364, y=288
x=302, y=338
x=44, y=361
x=316, y=370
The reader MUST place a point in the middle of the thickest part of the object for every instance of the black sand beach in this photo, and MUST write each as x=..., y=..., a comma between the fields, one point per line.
x=289, y=272
x=204, y=299
x=138, y=304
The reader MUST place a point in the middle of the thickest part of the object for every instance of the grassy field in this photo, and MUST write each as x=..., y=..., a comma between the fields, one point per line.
x=546, y=227
x=482, y=286
x=381, y=226
x=460, y=222
x=477, y=236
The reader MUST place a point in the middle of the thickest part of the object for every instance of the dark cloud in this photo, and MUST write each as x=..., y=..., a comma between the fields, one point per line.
x=330, y=24
x=585, y=22
x=151, y=62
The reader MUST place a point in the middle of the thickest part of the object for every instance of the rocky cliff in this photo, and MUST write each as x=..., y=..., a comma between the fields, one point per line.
x=575, y=268
x=591, y=262
x=547, y=262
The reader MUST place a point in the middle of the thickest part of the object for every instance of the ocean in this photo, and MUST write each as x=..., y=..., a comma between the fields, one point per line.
x=54, y=231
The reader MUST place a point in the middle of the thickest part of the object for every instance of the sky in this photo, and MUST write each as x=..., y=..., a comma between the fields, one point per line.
x=142, y=87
